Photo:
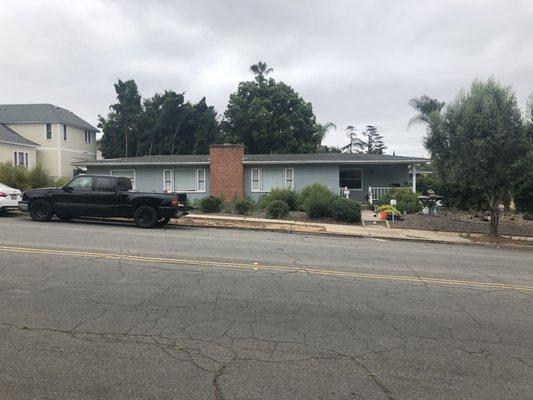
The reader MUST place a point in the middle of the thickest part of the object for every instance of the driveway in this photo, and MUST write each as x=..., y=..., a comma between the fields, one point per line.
x=93, y=310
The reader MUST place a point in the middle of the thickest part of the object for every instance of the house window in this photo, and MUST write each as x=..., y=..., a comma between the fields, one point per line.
x=184, y=180
x=87, y=137
x=65, y=132
x=20, y=158
x=351, y=178
x=167, y=178
x=200, y=173
x=126, y=174
x=48, y=131
x=266, y=179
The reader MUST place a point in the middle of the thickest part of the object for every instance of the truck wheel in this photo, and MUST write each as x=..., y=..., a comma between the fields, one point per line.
x=163, y=221
x=41, y=210
x=145, y=217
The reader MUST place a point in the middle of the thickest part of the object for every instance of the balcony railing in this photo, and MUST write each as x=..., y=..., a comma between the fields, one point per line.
x=376, y=193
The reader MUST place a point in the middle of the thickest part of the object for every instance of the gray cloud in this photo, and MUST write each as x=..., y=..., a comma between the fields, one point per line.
x=357, y=62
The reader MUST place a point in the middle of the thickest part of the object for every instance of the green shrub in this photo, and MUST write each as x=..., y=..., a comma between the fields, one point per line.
x=406, y=200
x=344, y=209
x=315, y=188
x=211, y=204
x=523, y=195
x=287, y=195
x=277, y=209
x=318, y=204
x=37, y=177
x=242, y=205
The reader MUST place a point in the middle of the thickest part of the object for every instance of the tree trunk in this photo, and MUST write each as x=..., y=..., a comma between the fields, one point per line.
x=494, y=215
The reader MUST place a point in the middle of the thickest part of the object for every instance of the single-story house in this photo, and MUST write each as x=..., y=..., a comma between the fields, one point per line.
x=228, y=171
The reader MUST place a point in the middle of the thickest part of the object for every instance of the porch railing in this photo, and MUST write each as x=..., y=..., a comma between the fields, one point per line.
x=376, y=193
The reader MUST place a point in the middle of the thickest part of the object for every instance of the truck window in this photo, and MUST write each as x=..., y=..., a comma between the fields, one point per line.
x=124, y=184
x=81, y=183
x=104, y=184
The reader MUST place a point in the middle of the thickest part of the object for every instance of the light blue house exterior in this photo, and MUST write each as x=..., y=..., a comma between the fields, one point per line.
x=366, y=177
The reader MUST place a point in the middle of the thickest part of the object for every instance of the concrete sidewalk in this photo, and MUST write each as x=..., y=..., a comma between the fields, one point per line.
x=374, y=231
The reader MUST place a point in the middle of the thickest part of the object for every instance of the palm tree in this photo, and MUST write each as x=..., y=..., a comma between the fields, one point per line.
x=322, y=130
x=425, y=106
x=261, y=69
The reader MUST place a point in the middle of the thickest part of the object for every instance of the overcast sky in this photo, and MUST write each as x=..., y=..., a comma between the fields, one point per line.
x=358, y=62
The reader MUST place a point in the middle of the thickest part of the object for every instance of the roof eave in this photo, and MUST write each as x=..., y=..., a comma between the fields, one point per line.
x=404, y=161
x=90, y=128
x=126, y=164
x=35, y=145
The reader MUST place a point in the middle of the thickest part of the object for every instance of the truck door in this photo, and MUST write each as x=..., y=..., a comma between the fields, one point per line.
x=75, y=199
x=103, y=197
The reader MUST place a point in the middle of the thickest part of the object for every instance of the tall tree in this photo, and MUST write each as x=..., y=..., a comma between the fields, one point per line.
x=121, y=127
x=269, y=117
x=261, y=69
x=374, y=141
x=480, y=142
x=355, y=144
x=322, y=130
x=425, y=106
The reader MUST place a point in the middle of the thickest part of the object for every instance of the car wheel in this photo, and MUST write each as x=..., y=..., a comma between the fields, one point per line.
x=64, y=217
x=163, y=221
x=145, y=217
x=41, y=210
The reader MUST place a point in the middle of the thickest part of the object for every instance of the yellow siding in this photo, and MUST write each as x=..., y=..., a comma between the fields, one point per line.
x=7, y=150
x=57, y=155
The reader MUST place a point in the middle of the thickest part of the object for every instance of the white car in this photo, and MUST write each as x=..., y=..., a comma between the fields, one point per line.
x=9, y=198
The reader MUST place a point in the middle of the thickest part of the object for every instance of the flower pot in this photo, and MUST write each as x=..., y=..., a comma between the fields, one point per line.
x=383, y=215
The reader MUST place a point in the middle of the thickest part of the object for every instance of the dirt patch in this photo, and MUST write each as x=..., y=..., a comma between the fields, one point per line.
x=452, y=221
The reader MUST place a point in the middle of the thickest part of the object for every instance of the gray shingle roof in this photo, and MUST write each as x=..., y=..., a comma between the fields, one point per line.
x=261, y=158
x=41, y=113
x=160, y=159
x=329, y=157
x=8, y=135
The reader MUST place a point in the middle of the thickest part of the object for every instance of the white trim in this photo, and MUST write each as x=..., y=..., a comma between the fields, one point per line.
x=19, y=144
x=134, y=184
x=353, y=169
x=260, y=178
x=196, y=171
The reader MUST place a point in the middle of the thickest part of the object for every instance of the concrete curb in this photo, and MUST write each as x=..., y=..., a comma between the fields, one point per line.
x=287, y=227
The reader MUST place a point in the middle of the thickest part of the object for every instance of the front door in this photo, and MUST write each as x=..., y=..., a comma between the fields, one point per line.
x=75, y=199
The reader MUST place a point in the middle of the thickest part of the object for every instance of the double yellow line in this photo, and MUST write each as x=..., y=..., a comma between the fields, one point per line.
x=256, y=267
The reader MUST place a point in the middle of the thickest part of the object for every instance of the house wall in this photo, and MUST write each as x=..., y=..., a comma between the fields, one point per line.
x=380, y=175
x=328, y=174
x=57, y=155
x=7, y=150
x=304, y=175
x=150, y=178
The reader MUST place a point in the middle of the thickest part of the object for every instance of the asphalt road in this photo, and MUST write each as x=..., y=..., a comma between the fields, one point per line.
x=92, y=310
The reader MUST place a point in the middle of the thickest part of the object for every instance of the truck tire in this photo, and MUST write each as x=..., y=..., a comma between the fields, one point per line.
x=41, y=211
x=163, y=221
x=145, y=217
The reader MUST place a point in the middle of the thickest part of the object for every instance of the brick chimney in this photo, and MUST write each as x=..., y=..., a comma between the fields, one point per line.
x=227, y=171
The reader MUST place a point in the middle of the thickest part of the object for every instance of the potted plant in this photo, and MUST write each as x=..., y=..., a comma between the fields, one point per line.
x=386, y=211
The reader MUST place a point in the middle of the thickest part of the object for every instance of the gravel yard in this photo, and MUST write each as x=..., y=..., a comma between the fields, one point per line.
x=510, y=224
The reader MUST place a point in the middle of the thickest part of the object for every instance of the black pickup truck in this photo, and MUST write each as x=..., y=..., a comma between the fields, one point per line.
x=103, y=196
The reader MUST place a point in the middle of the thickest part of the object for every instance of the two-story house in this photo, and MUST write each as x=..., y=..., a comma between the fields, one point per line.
x=51, y=136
